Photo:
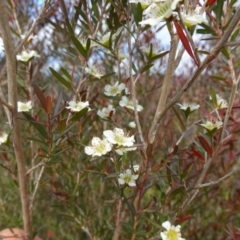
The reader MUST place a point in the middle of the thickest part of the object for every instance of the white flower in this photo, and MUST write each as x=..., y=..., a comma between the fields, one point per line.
x=105, y=39
x=1, y=45
x=105, y=112
x=237, y=4
x=99, y=147
x=117, y=137
x=159, y=12
x=150, y=51
x=94, y=71
x=77, y=106
x=83, y=41
x=126, y=102
x=211, y=125
x=186, y=106
x=144, y=3
x=3, y=138
x=114, y=90
x=30, y=38
x=193, y=18
x=136, y=168
x=25, y=56
x=132, y=125
x=172, y=233
x=122, y=150
x=24, y=107
x=220, y=102
x=128, y=178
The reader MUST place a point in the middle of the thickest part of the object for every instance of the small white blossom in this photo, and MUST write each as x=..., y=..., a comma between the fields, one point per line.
x=1, y=45
x=132, y=125
x=114, y=90
x=237, y=4
x=105, y=112
x=193, y=18
x=105, y=39
x=220, y=102
x=122, y=150
x=24, y=107
x=98, y=147
x=185, y=106
x=148, y=52
x=94, y=71
x=126, y=102
x=157, y=13
x=77, y=106
x=211, y=125
x=30, y=38
x=25, y=56
x=128, y=178
x=3, y=138
x=144, y=3
x=172, y=232
x=136, y=168
x=118, y=137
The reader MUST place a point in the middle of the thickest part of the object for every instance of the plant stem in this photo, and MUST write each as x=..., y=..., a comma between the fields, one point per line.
x=14, y=123
x=167, y=83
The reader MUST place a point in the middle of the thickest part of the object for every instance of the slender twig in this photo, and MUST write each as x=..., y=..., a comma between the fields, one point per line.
x=36, y=187
x=167, y=83
x=133, y=85
x=232, y=95
x=219, y=180
x=14, y=123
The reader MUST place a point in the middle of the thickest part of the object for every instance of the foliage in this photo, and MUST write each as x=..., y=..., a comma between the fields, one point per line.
x=177, y=163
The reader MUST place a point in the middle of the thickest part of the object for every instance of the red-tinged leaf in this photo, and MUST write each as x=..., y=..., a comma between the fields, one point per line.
x=205, y=145
x=48, y=104
x=182, y=219
x=185, y=42
x=198, y=155
x=40, y=96
x=210, y=2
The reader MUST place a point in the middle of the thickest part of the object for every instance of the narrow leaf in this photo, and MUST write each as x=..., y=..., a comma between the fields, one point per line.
x=146, y=67
x=61, y=79
x=40, y=96
x=36, y=124
x=78, y=115
x=185, y=42
x=79, y=46
x=205, y=145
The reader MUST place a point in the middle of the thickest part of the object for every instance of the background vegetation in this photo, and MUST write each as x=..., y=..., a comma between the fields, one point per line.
x=188, y=175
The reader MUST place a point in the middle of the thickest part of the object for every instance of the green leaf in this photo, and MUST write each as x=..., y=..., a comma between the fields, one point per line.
x=146, y=67
x=78, y=115
x=219, y=10
x=66, y=131
x=160, y=55
x=225, y=53
x=137, y=12
x=206, y=30
x=130, y=206
x=37, y=125
x=235, y=34
x=65, y=72
x=61, y=79
x=220, y=78
x=79, y=47
x=37, y=140
x=69, y=27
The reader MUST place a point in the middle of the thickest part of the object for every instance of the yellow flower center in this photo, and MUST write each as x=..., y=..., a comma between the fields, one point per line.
x=100, y=148
x=172, y=235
